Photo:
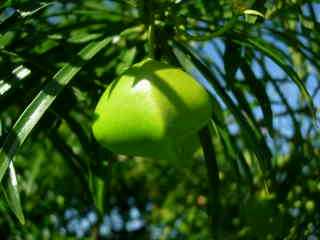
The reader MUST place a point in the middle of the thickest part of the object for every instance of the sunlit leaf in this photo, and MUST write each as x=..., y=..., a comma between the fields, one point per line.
x=253, y=12
x=11, y=193
x=33, y=113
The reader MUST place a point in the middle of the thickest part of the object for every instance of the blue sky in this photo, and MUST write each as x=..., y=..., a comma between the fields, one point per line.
x=289, y=89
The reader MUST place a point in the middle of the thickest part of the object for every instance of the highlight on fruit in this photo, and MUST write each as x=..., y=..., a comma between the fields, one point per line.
x=153, y=110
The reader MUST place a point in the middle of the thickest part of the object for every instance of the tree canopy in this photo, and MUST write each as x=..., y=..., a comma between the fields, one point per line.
x=256, y=174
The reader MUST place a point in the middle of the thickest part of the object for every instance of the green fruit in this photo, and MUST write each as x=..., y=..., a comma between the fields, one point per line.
x=152, y=110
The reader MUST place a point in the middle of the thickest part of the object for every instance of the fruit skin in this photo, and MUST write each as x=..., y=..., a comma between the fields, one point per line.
x=153, y=110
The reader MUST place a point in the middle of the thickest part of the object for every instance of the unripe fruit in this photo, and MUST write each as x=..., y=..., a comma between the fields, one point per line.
x=153, y=110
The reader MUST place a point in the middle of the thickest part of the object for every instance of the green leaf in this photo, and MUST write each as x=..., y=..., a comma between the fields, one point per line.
x=232, y=60
x=232, y=150
x=253, y=136
x=127, y=60
x=25, y=14
x=278, y=57
x=214, y=208
x=253, y=12
x=11, y=193
x=97, y=188
x=257, y=88
x=17, y=16
x=74, y=161
x=296, y=125
x=251, y=15
x=9, y=21
x=35, y=110
x=5, y=3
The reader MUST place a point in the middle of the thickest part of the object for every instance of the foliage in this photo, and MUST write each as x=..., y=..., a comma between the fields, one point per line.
x=256, y=176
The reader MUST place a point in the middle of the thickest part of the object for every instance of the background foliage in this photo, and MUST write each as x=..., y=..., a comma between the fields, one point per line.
x=259, y=61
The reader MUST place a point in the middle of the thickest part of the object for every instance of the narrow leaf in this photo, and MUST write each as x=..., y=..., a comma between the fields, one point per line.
x=253, y=136
x=278, y=57
x=17, y=16
x=232, y=60
x=232, y=151
x=5, y=3
x=25, y=14
x=257, y=88
x=214, y=208
x=11, y=193
x=253, y=12
x=35, y=110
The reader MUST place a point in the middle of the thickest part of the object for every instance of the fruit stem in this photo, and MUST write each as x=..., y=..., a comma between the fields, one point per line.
x=151, y=41
x=151, y=38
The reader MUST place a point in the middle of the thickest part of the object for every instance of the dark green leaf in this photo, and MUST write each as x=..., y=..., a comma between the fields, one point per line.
x=257, y=88
x=276, y=55
x=253, y=136
x=214, y=182
x=33, y=113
